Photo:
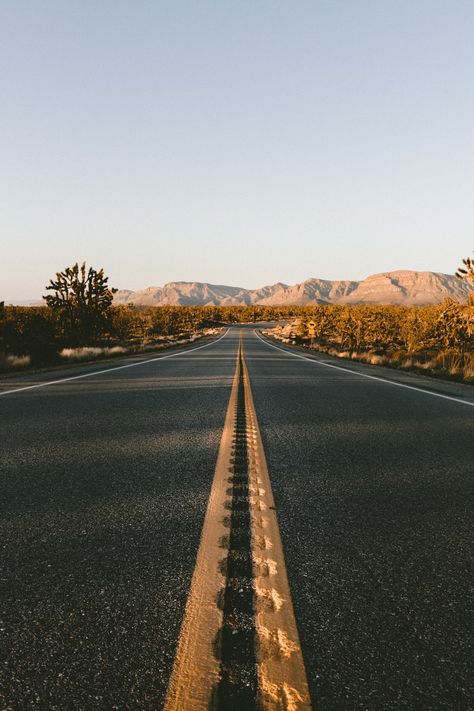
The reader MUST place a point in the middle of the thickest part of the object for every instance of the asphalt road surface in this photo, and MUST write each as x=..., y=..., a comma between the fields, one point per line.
x=104, y=482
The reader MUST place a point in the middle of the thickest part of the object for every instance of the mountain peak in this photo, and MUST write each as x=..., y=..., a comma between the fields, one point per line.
x=403, y=287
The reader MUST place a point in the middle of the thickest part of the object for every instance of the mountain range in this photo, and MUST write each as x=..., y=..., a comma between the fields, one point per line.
x=402, y=287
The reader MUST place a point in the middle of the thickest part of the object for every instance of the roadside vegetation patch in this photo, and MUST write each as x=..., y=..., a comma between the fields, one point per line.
x=435, y=340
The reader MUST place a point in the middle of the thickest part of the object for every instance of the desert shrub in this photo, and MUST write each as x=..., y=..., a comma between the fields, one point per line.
x=453, y=326
x=434, y=339
x=130, y=324
x=31, y=332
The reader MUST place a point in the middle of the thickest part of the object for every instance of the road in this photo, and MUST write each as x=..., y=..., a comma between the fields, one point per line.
x=104, y=486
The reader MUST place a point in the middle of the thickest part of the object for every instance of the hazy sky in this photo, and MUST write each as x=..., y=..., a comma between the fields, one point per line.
x=233, y=142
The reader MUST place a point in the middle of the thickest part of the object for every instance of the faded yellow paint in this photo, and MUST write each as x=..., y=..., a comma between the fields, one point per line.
x=196, y=669
x=282, y=678
x=281, y=673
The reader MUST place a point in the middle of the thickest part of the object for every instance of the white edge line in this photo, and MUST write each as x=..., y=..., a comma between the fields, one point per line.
x=365, y=375
x=109, y=370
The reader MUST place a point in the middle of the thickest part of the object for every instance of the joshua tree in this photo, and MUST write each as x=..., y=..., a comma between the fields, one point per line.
x=80, y=300
x=466, y=274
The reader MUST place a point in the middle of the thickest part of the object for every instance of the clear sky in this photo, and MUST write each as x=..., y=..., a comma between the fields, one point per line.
x=237, y=142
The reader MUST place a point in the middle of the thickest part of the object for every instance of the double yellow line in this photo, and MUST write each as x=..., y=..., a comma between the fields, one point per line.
x=280, y=672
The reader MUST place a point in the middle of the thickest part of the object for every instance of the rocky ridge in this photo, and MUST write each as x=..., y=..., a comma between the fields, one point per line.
x=401, y=287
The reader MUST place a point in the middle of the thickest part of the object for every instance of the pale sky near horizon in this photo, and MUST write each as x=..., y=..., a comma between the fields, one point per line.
x=239, y=143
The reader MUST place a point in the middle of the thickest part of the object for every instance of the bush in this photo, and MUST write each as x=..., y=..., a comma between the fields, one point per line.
x=31, y=332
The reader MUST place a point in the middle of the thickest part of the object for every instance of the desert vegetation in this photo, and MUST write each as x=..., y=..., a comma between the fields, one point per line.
x=42, y=335
x=80, y=322
x=437, y=340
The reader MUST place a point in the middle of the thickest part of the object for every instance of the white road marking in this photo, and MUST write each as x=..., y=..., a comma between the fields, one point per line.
x=109, y=370
x=365, y=375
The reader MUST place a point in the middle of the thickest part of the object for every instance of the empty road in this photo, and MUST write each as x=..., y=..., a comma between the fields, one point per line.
x=104, y=485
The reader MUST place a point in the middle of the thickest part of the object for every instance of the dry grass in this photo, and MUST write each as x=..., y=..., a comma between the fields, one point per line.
x=459, y=366
x=375, y=359
x=90, y=353
x=427, y=364
x=14, y=362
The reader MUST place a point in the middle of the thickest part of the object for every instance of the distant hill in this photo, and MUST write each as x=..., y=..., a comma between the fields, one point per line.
x=194, y=293
x=402, y=287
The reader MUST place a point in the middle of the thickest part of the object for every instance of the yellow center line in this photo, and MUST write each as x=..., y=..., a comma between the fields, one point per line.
x=196, y=679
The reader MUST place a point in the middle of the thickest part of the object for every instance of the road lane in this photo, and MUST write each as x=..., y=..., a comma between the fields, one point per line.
x=63, y=375
x=426, y=388
x=372, y=486
x=239, y=646
x=103, y=488
x=104, y=483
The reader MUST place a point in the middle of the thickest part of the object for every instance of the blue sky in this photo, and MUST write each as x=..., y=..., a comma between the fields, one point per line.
x=238, y=143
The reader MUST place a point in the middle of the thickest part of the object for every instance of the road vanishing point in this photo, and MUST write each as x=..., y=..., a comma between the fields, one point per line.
x=235, y=525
